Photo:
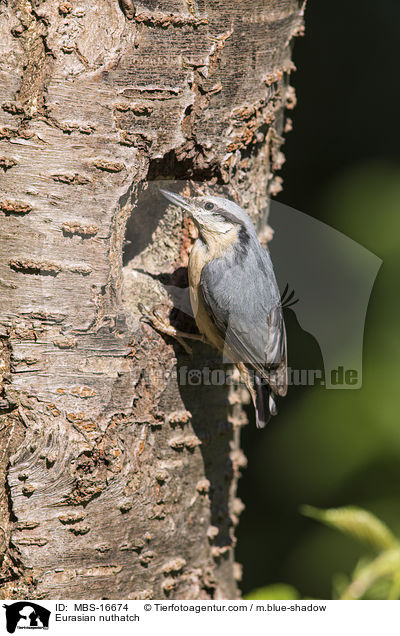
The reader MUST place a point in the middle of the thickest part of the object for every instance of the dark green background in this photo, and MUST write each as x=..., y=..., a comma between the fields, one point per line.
x=332, y=448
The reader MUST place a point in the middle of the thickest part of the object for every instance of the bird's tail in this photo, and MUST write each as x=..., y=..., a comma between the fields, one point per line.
x=264, y=402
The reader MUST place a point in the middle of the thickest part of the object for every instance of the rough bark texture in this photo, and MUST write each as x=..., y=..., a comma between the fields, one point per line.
x=117, y=482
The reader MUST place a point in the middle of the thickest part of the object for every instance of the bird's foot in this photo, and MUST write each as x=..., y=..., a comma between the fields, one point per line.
x=244, y=375
x=155, y=319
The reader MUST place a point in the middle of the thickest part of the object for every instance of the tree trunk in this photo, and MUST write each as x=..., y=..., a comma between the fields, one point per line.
x=119, y=478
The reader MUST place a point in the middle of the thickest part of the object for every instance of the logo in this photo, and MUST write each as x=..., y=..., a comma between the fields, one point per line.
x=26, y=615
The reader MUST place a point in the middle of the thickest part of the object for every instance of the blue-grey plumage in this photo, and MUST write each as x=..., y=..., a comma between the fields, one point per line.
x=235, y=297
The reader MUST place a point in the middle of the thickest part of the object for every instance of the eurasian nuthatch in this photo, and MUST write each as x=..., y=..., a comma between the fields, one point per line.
x=235, y=297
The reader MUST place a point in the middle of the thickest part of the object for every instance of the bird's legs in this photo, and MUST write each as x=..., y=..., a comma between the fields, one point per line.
x=244, y=374
x=159, y=323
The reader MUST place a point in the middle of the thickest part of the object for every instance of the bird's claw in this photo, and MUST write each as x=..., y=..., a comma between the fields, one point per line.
x=157, y=321
x=145, y=311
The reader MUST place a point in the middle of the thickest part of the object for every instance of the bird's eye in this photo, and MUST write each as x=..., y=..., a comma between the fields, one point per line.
x=209, y=205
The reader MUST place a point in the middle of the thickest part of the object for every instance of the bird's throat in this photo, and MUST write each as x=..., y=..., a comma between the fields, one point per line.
x=217, y=245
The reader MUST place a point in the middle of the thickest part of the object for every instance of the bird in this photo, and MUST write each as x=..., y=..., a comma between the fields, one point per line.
x=235, y=297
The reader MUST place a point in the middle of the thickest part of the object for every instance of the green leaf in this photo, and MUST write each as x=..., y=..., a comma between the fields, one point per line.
x=394, y=592
x=379, y=591
x=340, y=582
x=356, y=522
x=385, y=566
x=276, y=592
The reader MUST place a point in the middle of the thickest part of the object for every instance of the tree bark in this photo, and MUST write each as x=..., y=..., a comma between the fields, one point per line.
x=118, y=479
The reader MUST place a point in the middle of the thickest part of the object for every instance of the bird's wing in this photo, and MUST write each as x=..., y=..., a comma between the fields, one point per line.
x=242, y=299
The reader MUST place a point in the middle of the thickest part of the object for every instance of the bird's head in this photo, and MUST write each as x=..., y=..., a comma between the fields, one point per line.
x=214, y=216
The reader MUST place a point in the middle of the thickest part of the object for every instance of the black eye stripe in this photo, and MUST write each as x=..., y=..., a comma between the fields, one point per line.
x=228, y=216
x=221, y=213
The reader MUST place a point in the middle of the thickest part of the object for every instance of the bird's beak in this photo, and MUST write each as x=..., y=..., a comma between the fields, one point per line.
x=178, y=199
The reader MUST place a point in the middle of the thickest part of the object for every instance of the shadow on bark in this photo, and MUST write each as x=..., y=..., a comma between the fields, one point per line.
x=205, y=394
x=209, y=406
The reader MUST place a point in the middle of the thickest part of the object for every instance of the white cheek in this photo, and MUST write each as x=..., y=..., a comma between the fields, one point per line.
x=222, y=227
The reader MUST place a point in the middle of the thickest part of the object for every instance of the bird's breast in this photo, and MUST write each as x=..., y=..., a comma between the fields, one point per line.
x=199, y=257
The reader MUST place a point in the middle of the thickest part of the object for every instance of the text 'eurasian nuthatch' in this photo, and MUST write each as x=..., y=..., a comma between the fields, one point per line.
x=235, y=297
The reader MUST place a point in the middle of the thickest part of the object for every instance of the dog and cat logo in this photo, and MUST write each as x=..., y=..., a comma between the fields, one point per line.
x=26, y=615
